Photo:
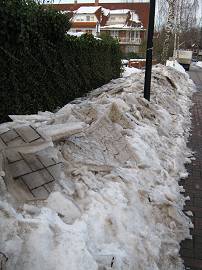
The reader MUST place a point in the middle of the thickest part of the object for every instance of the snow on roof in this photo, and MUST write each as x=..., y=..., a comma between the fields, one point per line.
x=119, y=11
x=79, y=34
x=118, y=26
x=76, y=34
x=105, y=11
x=134, y=17
x=88, y=10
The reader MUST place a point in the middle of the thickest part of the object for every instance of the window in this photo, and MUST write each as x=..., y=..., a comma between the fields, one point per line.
x=115, y=33
x=88, y=18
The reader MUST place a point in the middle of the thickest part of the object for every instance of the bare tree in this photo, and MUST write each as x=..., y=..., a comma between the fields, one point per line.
x=168, y=29
x=182, y=22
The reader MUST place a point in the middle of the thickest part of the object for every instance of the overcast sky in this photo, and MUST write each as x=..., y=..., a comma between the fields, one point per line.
x=101, y=1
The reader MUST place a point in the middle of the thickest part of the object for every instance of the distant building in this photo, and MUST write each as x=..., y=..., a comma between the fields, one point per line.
x=89, y=19
x=125, y=25
x=125, y=21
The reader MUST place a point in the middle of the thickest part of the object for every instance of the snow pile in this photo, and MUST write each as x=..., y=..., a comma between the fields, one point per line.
x=199, y=64
x=127, y=71
x=176, y=65
x=117, y=204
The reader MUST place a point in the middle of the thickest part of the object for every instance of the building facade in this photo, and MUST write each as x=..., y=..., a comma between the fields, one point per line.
x=125, y=21
x=88, y=20
x=125, y=25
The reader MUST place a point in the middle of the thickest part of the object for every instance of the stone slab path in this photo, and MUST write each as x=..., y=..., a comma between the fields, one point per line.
x=191, y=250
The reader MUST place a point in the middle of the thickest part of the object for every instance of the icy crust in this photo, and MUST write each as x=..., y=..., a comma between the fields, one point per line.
x=117, y=204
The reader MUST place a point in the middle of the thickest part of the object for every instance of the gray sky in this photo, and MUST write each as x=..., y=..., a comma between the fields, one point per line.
x=101, y=1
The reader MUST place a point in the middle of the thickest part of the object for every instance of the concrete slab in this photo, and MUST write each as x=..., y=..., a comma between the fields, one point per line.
x=37, y=179
x=28, y=134
x=29, y=176
x=33, y=161
x=19, y=168
x=2, y=144
x=46, y=161
x=55, y=170
x=40, y=193
x=50, y=186
x=9, y=135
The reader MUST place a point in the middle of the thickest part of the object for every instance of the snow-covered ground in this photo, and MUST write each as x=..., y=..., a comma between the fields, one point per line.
x=118, y=192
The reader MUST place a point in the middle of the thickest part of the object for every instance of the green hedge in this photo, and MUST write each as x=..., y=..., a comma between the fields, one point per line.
x=42, y=67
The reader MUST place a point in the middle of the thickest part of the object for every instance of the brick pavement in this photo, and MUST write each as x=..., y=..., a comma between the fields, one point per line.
x=191, y=250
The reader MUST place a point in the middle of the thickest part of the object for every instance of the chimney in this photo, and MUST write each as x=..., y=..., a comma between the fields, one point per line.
x=96, y=2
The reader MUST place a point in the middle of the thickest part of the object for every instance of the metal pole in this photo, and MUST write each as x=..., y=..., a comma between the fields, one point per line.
x=147, y=83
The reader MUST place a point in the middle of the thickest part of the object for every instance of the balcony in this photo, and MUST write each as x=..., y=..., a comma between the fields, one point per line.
x=136, y=41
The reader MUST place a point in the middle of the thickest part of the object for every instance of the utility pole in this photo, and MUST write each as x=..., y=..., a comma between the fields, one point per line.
x=147, y=83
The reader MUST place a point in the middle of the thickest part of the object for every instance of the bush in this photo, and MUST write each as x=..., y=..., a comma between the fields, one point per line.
x=42, y=67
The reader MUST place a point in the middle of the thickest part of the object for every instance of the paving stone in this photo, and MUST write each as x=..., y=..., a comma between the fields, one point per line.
x=18, y=168
x=198, y=223
x=191, y=250
x=33, y=161
x=188, y=243
x=23, y=191
x=2, y=145
x=16, y=142
x=193, y=263
x=198, y=201
x=13, y=156
x=50, y=186
x=36, y=179
x=40, y=193
x=55, y=170
x=188, y=253
x=28, y=133
x=9, y=135
x=46, y=161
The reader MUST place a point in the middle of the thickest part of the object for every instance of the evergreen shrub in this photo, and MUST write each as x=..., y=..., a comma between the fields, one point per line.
x=41, y=67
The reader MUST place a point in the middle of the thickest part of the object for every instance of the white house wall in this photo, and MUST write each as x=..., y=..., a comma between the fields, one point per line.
x=85, y=18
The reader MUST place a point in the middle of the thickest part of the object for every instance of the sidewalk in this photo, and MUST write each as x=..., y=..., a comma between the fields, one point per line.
x=191, y=250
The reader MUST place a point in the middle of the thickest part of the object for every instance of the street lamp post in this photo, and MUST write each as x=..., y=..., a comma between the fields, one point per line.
x=148, y=68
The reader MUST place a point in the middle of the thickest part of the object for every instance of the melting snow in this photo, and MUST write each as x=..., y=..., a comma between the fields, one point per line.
x=117, y=204
x=176, y=65
x=130, y=70
x=199, y=64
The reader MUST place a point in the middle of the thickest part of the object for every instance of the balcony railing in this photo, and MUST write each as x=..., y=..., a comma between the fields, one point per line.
x=130, y=41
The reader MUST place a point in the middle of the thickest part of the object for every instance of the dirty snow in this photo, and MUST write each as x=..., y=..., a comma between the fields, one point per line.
x=175, y=65
x=199, y=64
x=117, y=204
x=127, y=71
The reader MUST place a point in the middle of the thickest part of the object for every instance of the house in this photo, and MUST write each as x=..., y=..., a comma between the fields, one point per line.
x=126, y=26
x=125, y=21
x=88, y=19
